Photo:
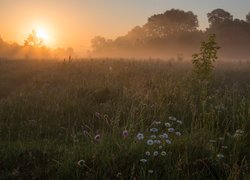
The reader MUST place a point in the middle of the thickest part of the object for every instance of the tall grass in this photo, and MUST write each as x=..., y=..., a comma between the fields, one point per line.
x=51, y=112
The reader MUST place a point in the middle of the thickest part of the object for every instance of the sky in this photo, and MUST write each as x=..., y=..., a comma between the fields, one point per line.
x=73, y=23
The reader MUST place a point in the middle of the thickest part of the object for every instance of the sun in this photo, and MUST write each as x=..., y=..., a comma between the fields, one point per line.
x=43, y=34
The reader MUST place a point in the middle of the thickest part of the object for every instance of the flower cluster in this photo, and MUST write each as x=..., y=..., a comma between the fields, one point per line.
x=238, y=133
x=159, y=136
x=218, y=147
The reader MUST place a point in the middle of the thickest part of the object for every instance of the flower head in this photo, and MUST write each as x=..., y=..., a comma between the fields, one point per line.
x=220, y=156
x=179, y=121
x=156, y=153
x=163, y=153
x=178, y=134
x=153, y=136
x=81, y=162
x=97, y=137
x=168, y=141
x=147, y=153
x=153, y=130
x=143, y=160
x=239, y=131
x=165, y=135
x=157, y=122
x=237, y=135
x=167, y=125
x=150, y=142
x=140, y=136
x=125, y=133
x=172, y=118
x=170, y=129
x=157, y=141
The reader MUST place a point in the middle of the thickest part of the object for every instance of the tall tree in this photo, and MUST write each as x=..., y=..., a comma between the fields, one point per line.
x=172, y=21
x=248, y=17
x=219, y=16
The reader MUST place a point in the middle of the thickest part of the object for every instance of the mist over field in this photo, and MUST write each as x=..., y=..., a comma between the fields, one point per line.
x=172, y=34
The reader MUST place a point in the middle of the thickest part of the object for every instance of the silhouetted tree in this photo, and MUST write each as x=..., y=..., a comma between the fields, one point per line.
x=218, y=16
x=33, y=40
x=175, y=32
x=98, y=43
x=172, y=21
x=137, y=35
x=248, y=17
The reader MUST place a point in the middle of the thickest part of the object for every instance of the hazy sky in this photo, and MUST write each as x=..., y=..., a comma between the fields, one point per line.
x=75, y=22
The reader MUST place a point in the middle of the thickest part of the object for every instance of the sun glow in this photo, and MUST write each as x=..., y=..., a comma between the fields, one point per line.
x=43, y=34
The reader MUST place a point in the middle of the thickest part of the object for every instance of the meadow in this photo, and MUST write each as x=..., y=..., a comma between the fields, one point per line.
x=123, y=119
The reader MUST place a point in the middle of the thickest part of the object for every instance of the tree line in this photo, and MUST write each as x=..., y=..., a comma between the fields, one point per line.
x=33, y=48
x=176, y=33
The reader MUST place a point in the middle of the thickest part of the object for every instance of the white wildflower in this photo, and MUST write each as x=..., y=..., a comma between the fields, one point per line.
x=220, y=156
x=153, y=136
x=157, y=122
x=168, y=141
x=163, y=153
x=156, y=141
x=179, y=121
x=170, y=129
x=150, y=142
x=178, y=134
x=172, y=118
x=165, y=135
x=143, y=160
x=161, y=136
x=237, y=135
x=156, y=153
x=239, y=131
x=153, y=130
x=147, y=153
x=167, y=125
x=140, y=136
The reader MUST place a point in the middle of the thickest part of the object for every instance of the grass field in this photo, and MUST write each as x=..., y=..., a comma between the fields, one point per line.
x=106, y=119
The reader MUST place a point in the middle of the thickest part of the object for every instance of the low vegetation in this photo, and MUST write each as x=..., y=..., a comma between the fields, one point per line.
x=122, y=119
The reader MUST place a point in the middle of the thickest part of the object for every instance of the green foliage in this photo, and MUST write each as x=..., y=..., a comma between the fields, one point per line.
x=203, y=61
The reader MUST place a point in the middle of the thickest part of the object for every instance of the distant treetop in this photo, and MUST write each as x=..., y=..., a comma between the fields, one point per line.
x=218, y=16
x=248, y=17
x=172, y=21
